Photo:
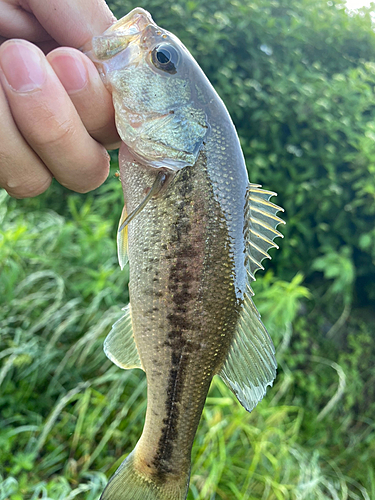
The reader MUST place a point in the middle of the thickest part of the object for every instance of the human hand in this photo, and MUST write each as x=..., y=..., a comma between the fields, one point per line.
x=56, y=115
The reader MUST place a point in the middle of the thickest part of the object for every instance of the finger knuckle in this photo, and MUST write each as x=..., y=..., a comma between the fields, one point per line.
x=49, y=133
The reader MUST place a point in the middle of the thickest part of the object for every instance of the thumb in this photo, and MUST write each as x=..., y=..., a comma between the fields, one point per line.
x=69, y=22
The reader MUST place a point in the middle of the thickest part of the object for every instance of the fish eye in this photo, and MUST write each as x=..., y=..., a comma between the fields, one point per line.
x=165, y=57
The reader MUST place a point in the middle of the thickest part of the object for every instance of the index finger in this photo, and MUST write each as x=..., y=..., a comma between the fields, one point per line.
x=72, y=23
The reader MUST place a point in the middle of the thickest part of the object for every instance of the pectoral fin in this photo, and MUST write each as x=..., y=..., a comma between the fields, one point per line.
x=119, y=346
x=159, y=182
x=122, y=241
x=251, y=365
x=122, y=233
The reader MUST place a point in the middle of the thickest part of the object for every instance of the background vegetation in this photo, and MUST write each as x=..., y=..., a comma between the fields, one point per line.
x=298, y=79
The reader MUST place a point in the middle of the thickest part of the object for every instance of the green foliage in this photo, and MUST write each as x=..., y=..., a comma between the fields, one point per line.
x=68, y=415
x=279, y=301
x=339, y=267
x=297, y=77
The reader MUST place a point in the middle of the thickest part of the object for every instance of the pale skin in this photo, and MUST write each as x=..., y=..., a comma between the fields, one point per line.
x=56, y=116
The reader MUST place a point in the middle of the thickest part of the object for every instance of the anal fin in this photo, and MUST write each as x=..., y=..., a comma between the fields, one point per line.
x=119, y=346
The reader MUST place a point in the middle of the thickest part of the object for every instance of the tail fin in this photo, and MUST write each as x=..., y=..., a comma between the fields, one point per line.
x=129, y=484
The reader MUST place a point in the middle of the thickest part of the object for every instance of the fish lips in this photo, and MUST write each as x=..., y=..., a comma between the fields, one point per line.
x=118, y=36
x=125, y=42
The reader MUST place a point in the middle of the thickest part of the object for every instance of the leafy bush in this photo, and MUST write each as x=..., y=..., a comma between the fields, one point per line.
x=297, y=77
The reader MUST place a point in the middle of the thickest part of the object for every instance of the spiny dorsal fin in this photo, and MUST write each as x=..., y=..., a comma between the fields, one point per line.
x=260, y=226
x=119, y=346
x=251, y=365
x=122, y=240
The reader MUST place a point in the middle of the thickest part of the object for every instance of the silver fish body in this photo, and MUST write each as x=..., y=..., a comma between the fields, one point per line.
x=193, y=249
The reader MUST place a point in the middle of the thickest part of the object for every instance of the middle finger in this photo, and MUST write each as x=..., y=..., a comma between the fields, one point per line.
x=91, y=99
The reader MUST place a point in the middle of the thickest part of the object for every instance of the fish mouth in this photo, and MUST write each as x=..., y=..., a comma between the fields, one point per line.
x=133, y=23
x=118, y=36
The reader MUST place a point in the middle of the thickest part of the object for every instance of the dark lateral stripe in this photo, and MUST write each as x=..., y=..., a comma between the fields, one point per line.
x=180, y=282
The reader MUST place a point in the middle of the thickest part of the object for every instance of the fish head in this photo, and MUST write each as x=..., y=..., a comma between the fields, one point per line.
x=153, y=79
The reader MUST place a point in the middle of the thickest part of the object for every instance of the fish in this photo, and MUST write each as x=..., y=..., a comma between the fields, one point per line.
x=194, y=231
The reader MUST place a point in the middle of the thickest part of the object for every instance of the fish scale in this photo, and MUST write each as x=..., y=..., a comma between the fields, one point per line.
x=192, y=322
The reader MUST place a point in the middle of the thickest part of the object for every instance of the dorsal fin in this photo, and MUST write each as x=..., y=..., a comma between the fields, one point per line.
x=251, y=365
x=260, y=226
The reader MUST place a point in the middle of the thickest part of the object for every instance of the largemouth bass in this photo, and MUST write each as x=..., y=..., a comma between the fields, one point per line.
x=195, y=232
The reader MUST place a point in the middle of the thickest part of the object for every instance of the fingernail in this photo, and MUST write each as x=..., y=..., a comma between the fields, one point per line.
x=71, y=72
x=22, y=66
